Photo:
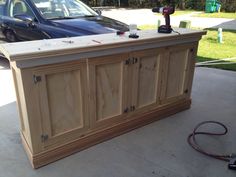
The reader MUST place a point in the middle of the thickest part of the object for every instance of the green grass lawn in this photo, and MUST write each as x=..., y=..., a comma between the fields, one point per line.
x=210, y=49
x=217, y=15
x=147, y=27
x=183, y=12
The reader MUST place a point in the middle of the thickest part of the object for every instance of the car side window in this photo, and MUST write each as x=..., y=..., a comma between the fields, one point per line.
x=19, y=7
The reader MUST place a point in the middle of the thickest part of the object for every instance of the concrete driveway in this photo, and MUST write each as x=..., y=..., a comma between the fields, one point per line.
x=146, y=16
x=156, y=150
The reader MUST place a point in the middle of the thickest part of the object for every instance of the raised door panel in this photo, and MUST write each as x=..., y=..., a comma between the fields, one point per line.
x=108, y=84
x=107, y=89
x=176, y=73
x=63, y=100
x=175, y=80
x=147, y=73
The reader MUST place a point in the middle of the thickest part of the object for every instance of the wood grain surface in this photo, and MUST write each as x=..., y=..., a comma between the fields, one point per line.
x=68, y=102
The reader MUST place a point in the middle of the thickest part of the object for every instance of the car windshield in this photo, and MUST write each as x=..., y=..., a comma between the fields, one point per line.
x=60, y=9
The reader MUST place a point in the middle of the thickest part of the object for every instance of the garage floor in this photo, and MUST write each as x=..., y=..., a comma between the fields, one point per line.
x=156, y=150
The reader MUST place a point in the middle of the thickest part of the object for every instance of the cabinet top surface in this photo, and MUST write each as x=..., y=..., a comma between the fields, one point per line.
x=45, y=48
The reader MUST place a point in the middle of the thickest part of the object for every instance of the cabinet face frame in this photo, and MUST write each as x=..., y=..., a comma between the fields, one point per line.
x=69, y=70
x=98, y=73
x=186, y=76
x=28, y=105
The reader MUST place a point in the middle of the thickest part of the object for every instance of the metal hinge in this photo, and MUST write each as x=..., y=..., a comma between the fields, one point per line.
x=132, y=108
x=37, y=79
x=131, y=61
x=135, y=60
x=44, y=138
x=126, y=110
x=128, y=61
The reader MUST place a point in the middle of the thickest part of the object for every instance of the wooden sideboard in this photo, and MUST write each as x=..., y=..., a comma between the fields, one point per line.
x=75, y=92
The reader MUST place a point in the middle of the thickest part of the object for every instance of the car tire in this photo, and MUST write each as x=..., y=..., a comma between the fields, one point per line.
x=10, y=36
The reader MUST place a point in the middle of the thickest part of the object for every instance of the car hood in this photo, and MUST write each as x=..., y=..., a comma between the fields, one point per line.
x=89, y=25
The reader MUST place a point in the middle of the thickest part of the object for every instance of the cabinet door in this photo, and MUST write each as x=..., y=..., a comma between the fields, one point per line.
x=147, y=77
x=108, y=78
x=177, y=73
x=63, y=100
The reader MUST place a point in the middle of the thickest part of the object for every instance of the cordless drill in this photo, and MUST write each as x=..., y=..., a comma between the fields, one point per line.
x=166, y=11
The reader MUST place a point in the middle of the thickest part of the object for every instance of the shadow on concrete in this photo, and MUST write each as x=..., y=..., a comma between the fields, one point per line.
x=230, y=67
x=11, y=149
x=230, y=25
x=9, y=117
x=4, y=63
x=9, y=128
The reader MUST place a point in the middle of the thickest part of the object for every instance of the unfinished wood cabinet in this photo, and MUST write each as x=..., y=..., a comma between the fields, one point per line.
x=80, y=92
x=63, y=101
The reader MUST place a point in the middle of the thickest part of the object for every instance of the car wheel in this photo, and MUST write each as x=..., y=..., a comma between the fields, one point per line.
x=10, y=36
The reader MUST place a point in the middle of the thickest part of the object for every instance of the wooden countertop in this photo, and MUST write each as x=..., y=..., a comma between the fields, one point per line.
x=89, y=46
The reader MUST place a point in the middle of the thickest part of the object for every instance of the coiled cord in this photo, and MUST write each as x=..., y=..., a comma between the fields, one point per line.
x=193, y=143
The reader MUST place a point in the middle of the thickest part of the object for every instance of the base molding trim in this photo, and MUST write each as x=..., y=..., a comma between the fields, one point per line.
x=46, y=157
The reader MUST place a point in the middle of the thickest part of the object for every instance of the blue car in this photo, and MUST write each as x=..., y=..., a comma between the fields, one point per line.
x=24, y=20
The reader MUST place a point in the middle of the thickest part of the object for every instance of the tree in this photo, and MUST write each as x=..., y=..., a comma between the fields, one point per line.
x=182, y=4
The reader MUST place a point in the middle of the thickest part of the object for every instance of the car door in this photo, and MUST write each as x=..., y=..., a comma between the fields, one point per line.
x=23, y=30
